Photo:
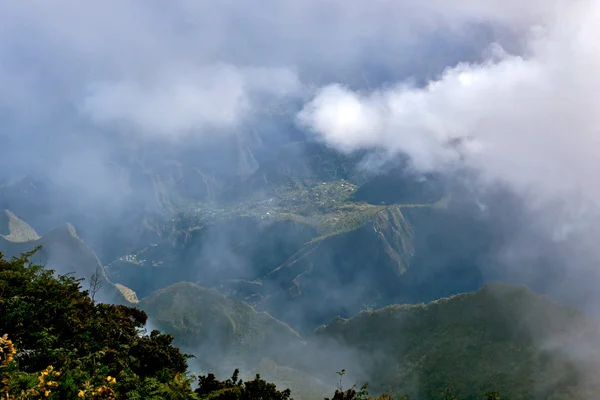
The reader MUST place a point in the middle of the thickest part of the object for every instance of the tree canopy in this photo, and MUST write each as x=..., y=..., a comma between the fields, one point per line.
x=56, y=336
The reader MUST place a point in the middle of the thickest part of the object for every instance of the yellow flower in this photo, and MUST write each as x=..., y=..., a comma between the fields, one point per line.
x=47, y=393
x=111, y=380
x=81, y=394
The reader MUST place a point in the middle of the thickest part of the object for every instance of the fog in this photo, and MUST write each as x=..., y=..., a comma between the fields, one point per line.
x=114, y=114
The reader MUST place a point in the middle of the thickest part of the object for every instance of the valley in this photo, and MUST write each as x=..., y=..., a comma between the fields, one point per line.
x=299, y=200
x=300, y=278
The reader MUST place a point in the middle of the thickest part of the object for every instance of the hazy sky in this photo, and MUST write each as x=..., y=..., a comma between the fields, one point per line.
x=529, y=117
x=508, y=87
x=181, y=66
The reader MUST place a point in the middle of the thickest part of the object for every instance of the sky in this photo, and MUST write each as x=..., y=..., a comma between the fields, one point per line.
x=528, y=117
x=410, y=76
x=197, y=67
x=78, y=82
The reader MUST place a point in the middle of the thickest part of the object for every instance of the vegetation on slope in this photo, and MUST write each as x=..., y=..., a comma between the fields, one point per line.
x=69, y=347
x=223, y=333
x=57, y=343
x=524, y=344
x=303, y=384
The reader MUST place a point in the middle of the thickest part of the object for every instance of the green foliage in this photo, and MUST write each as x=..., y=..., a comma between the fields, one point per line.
x=197, y=316
x=494, y=336
x=351, y=393
x=492, y=396
x=362, y=393
x=235, y=389
x=95, y=350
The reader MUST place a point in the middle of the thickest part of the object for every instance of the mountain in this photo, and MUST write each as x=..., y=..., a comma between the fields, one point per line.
x=276, y=240
x=222, y=333
x=273, y=221
x=502, y=337
x=364, y=258
x=61, y=250
x=14, y=230
x=31, y=198
x=277, y=252
x=309, y=250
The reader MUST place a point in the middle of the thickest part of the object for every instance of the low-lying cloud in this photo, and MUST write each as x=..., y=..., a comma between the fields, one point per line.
x=187, y=101
x=529, y=119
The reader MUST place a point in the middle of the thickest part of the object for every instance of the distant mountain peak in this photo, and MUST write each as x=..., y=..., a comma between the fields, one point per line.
x=14, y=229
x=66, y=229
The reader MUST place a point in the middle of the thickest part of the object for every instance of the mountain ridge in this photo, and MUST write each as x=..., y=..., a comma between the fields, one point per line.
x=62, y=250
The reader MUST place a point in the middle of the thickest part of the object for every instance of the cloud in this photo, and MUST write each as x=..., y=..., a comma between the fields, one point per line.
x=218, y=96
x=524, y=117
x=168, y=67
x=527, y=118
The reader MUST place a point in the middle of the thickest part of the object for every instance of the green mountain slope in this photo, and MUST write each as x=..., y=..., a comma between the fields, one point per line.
x=221, y=332
x=502, y=337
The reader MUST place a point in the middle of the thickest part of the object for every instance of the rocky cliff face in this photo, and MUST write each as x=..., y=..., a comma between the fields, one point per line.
x=15, y=230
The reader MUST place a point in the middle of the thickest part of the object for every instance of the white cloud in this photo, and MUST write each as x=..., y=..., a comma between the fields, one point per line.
x=203, y=66
x=530, y=119
x=122, y=53
x=187, y=100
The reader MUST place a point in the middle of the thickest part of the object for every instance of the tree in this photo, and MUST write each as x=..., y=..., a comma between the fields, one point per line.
x=235, y=389
x=492, y=396
x=95, y=283
x=90, y=350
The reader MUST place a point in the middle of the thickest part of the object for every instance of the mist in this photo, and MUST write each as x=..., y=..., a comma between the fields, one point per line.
x=120, y=117
x=98, y=100
x=526, y=119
